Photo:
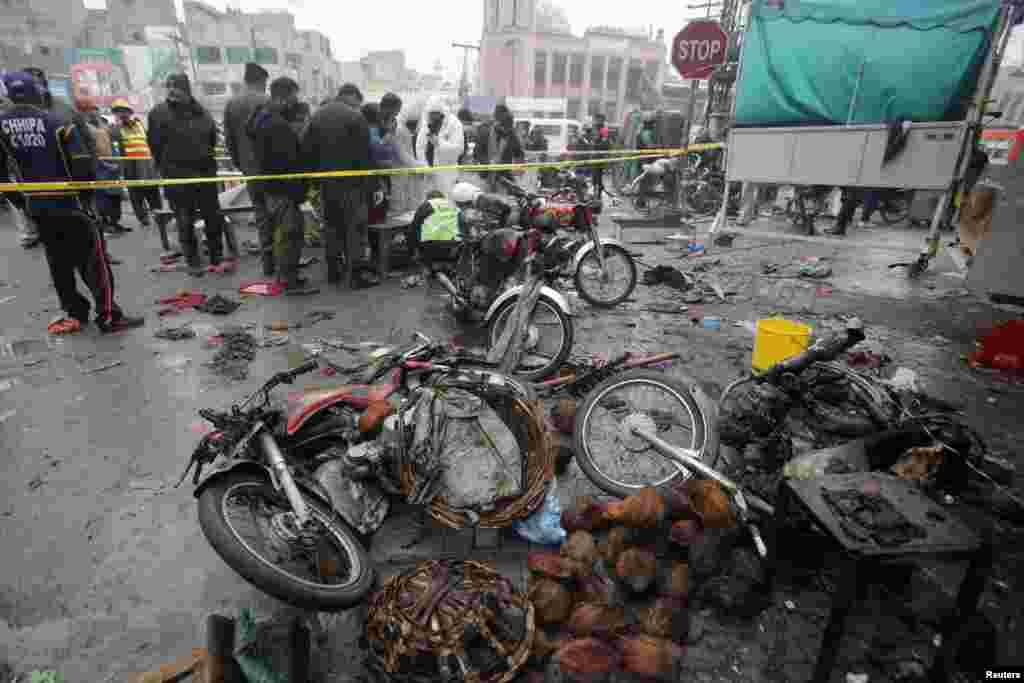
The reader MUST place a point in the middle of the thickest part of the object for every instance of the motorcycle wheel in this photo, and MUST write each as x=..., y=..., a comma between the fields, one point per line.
x=895, y=210
x=625, y=280
x=540, y=369
x=672, y=404
x=339, y=542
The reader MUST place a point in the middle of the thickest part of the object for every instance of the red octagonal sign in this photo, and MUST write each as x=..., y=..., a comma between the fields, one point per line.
x=698, y=49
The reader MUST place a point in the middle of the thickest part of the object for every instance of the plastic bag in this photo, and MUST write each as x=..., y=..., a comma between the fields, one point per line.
x=545, y=525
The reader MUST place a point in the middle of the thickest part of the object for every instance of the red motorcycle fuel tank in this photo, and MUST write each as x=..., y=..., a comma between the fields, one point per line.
x=304, y=404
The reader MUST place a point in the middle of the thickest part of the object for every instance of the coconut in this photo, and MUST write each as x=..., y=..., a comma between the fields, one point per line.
x=585, y=514
x=551, y=565
x=677, y=501
x=711, y=503
x=584, y=659
x=645, y=510
x=674, y=581
x=600, y=621
x=668, y=618
x=582, y=549
x=637, y=568
x=593, y=589
x=656, y=658
x=551, y=600
x=686, y=532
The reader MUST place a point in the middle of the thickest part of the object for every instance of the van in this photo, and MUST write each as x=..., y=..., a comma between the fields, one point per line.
x=557, y=131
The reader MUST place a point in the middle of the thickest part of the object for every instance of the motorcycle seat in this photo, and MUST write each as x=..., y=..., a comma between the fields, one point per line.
x=304, y=404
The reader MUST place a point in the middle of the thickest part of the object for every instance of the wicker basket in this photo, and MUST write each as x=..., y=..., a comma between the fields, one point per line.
x=540, y=450
x=399, y=643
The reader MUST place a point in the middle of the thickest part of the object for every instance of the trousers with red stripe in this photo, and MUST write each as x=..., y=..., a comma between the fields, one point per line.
x=74, y=244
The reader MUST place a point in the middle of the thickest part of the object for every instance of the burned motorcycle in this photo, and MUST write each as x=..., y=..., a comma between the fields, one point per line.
x=295, y=487
x=486, y=272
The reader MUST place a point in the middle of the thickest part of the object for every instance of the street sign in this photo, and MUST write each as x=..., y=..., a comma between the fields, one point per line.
x=698, y=49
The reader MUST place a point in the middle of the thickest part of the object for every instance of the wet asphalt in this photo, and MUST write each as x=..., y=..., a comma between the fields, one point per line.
x=105, y=570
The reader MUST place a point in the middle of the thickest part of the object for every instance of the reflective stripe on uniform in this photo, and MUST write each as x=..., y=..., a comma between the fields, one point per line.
x=133, y=141
x=442, y=225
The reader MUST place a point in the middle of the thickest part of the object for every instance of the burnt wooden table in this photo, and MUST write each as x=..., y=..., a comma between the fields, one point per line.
x=946, y=538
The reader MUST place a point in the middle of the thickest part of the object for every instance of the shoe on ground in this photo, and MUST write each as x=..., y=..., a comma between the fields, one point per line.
x=125, y=322
x=63, y=325
x=300, y=287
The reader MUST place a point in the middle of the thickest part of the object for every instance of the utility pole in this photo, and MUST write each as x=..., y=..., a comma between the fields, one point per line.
x=464, y=85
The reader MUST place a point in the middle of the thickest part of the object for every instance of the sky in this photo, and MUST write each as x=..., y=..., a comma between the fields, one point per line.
x=425, y=30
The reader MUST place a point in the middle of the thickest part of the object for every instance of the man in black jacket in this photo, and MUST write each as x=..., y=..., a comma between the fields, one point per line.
x=275, y=145
x=182, y=138
x=338, y=139
x=237, y=113
x=498, y=143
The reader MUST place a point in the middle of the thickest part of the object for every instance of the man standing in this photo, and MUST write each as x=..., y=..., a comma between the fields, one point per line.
x=440, y=142
x=137, y=164
x=237, y=113
x=275, y=144
x=183, y=137
x=338, y=139
x=498, y=143
x=602, y=144
x=41, y=146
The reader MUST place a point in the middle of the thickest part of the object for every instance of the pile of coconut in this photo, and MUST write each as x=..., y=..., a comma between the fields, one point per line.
x=613, y=603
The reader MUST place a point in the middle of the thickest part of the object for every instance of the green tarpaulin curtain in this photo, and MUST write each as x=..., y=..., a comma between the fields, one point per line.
x=920, y=58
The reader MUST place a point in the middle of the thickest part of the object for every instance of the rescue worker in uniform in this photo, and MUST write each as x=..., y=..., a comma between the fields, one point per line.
x=130, y=136
x=40, y=146
x=436, y=220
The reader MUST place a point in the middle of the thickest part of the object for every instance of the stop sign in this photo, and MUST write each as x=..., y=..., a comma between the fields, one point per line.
x=698, y=49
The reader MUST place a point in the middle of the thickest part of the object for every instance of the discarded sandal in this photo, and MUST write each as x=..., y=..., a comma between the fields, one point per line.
x=63, y=324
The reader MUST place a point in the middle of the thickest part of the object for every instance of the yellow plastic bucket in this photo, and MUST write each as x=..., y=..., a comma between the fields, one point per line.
x=777, y=340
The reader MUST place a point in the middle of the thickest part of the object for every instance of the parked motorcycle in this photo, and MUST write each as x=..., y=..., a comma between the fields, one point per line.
x=310, y=480
x=602, y=269
x=489, y=269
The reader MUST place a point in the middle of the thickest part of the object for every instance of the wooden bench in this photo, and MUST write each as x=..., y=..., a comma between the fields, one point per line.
x=164, y=216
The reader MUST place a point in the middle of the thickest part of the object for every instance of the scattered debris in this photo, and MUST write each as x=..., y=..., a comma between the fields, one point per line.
x=725, y=239
x=1000, y=349
x=866, y=360
x=33, y=363
x=101, y=368
x=218, y=305
x=7, y=299
x=712, y=323
x=666, y=308
x=36, y=482
x=274, y=340
x=817, y=272
x=790, y=605
x=251, y=247
x=267, y=288
x=824, y=291
x=857, y=678
x=904, y=380
x=180, y=302
x=236, y=351
x=307, y=261
x=667, y=275
x=175, y=333
x=412, y=281
x=7, y=415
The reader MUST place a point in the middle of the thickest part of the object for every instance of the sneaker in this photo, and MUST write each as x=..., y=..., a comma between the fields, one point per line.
x=120, y=324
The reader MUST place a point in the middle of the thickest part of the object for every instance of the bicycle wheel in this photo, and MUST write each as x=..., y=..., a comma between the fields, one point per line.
x=612, y=456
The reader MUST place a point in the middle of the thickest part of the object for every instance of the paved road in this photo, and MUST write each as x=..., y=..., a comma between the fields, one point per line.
x=105, y=570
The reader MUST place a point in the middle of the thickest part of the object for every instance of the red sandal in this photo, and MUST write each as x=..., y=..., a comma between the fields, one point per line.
x=62, y=325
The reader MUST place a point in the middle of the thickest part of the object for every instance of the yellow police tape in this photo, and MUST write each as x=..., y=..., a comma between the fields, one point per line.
x=321, y=175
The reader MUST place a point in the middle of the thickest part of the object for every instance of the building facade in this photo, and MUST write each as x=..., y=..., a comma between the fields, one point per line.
x=36, y=33
x=528, y=51
x=223, y=42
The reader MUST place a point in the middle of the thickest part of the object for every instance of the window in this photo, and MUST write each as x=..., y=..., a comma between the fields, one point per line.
x=597, y=72
x=540, y=68
x=213, y=88
x=558, y=69
x=573, y=108
x=293, y=60
x=634, y=80
x=239, y=55
x=614, y=73
x=264, y=55
x=208, y=55
x=576, y=70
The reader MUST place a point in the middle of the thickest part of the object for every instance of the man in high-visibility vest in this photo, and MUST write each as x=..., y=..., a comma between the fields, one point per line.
x=129, y=134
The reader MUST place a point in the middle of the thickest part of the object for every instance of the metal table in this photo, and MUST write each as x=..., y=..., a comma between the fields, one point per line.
x=947, y=538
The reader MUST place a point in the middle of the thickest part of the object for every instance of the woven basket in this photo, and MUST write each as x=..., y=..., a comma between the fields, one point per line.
x=540, y=450
x=397, y=640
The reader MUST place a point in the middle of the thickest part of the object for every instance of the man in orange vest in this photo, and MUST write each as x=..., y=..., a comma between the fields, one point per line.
x=130, y=136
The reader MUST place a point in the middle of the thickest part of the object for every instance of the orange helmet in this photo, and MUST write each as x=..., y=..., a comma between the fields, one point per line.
x=121, y=103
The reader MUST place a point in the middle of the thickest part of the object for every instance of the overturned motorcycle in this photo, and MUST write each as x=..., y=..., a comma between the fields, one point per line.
x=296, y=489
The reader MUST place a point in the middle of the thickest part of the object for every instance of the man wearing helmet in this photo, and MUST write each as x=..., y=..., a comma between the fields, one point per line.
x=129, y=134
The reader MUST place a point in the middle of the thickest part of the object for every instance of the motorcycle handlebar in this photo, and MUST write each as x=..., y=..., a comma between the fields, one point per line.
x=307, y=367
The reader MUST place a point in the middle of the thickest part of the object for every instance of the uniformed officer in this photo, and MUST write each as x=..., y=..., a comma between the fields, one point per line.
x=41, y=146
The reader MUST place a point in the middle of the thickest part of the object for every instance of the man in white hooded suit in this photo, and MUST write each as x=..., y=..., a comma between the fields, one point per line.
x=440, y=142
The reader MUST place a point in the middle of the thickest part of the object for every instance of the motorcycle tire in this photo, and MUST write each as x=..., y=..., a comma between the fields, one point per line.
x=264, y=575
x=685, y=393
x=589, y=296
x=895, y=211
x=550, y=368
